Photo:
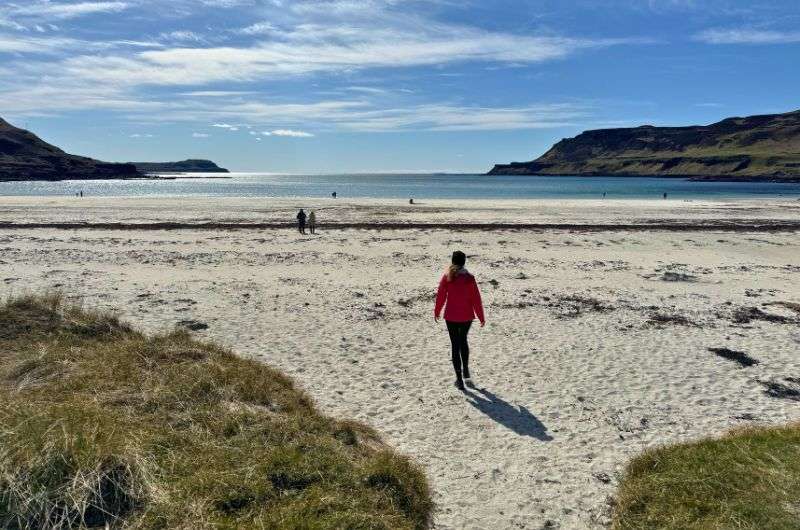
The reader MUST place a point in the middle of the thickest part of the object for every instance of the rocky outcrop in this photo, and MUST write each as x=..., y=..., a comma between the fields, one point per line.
x=25, y=156
x=756, y=148
x=184, y=166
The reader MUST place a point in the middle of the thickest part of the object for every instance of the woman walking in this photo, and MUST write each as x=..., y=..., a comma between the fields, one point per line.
x=459, y=295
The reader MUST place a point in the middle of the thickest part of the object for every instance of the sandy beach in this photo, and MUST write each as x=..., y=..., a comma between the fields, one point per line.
x=598, y=342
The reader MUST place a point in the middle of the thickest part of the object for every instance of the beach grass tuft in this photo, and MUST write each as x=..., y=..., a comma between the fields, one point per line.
x=101, y=425
x=746, y=479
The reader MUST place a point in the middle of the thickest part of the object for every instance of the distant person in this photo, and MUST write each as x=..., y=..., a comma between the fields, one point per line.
x=333, y=194
x=301, y=221
x=459, y=295
x=81, y=192
x=411, y=201
x=312, y=221
x=604, y=195
x=665, y=194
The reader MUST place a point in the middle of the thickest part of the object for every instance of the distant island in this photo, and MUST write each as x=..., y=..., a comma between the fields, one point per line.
x=757, y=148
x=25, y=156
x=184, y=166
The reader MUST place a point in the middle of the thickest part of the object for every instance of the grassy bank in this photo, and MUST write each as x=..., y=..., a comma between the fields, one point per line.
x=747, y=479
x=103, y=425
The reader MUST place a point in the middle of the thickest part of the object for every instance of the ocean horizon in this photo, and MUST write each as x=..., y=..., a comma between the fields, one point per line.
x=404, y=186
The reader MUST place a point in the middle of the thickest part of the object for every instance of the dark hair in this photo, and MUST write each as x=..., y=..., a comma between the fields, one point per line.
x=458, y=261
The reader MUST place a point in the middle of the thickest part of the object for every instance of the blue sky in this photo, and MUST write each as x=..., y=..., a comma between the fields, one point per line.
x=382, y=85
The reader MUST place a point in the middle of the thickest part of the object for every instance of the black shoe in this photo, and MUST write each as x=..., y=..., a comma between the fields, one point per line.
x=460, y=384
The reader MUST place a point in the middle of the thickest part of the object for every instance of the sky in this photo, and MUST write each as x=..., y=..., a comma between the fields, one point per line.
x=331, y=86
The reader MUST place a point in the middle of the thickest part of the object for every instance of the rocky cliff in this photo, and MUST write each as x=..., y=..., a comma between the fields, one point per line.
x=756, y=148
x=25, y=156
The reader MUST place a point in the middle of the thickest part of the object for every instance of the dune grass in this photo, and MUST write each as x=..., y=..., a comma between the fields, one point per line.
x=101, y=425
x=747, y=479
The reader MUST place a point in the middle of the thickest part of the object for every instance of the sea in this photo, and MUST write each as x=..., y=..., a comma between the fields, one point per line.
x=406, y=186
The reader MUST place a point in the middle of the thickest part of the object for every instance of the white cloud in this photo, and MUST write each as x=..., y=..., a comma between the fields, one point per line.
x=227, y=3
x=446, y=117
x=6, y=23
x=301, y=39
x=287, y=132
x=747, y=36
x=141, y=135
x=367, y=90
x=58, y=10
x=216, y=93
x=311, y=49
x=259, y=28
x=200, y=135
x=59, y=45
x=182, y=35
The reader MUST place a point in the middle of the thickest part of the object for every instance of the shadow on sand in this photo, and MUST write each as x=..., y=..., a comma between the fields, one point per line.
x=520, y=420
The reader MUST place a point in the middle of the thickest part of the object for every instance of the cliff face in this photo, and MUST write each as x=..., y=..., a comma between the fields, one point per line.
x=25, y=156
x=754, y=148
x=184, y=166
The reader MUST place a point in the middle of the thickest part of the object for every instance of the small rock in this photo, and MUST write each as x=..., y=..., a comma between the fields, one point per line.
x=194, y=325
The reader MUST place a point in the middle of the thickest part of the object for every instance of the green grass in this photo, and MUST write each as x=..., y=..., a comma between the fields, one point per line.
x=747, y=479
x=103, y=425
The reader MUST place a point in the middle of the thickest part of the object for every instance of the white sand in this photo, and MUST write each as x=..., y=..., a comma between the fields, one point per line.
x=565, y=397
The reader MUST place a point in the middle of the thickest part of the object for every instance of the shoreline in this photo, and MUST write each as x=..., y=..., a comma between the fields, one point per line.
x=734, y=226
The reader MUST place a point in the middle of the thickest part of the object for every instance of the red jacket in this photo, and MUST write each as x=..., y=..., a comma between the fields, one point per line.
x=463, y=299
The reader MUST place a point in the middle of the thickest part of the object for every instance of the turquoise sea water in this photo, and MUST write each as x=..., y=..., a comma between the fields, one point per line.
x=406, y=186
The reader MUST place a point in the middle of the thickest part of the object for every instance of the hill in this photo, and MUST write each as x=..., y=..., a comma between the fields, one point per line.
x=25, y=156
x=756, y=148
x=184, y=166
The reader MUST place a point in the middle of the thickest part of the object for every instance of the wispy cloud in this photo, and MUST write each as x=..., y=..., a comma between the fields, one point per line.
x=747, y=36
x=259, y=28
x=349, y=50
x=448, y=117
x=287, y=132
x=141, y=135
x=216, y=93
x=232, y=85
x=24, y=44
x=181, y=35
x=200, y=135
x=60, y=10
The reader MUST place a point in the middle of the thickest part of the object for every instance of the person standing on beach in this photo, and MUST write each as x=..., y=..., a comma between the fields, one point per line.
x=459, y=295
x=312, y=221
x=301, y=221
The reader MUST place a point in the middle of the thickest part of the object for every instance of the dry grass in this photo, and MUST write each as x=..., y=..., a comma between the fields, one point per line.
x=102, y=425
x=747, y=479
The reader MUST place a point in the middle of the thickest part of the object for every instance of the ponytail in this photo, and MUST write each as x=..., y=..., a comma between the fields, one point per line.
x=452, y=270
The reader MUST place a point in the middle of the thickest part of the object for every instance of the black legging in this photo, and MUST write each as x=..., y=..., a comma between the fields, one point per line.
x=458, y=339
